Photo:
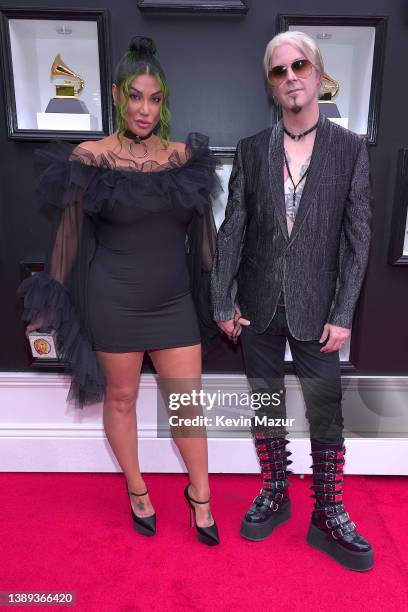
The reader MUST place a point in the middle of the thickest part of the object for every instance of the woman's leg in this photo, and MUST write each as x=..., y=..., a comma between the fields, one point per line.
x=122, y=371
x=180, y=370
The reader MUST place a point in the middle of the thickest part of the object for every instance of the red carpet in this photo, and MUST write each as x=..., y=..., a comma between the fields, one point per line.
x=73, y=532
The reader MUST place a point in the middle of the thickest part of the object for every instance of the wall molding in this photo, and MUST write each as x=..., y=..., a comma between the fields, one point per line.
x=40, y=433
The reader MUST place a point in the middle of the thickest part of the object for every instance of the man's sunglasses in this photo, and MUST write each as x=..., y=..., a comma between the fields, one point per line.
x=302, y=68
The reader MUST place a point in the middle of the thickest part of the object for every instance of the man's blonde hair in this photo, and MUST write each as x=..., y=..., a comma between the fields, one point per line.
x=305, y=43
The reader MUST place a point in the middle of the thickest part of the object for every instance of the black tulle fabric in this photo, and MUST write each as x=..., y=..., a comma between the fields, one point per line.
x=73, y=187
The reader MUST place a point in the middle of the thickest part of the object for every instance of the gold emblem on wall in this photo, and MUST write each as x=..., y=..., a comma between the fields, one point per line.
x=41, y=346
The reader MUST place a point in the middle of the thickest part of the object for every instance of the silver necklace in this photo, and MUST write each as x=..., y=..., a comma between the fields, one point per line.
x=137, y=140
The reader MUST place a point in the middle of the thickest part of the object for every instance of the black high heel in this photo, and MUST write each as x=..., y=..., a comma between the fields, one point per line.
x=207, y=535
x=146, y=525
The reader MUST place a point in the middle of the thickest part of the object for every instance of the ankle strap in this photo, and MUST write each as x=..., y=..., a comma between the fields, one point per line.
x=199, y=502
x=138, y=494
x=196, y=500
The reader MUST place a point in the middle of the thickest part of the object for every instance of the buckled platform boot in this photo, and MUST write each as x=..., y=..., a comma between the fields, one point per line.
x=272, y=506
x=331, y=529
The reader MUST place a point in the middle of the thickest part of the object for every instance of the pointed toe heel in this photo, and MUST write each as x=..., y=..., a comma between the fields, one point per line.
x=146, y=525
x=206, y=535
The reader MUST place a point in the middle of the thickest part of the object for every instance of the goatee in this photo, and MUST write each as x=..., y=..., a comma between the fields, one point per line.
x=296, y=109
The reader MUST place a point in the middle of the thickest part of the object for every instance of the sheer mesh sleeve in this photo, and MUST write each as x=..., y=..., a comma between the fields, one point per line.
x=66, y=241
x=57, y=296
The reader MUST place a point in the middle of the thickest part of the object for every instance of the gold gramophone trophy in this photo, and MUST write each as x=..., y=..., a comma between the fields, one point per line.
x=330, y=87
x=329, y=90
x=66, y=93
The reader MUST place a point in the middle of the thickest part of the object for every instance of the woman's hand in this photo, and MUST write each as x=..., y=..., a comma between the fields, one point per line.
x=239, y=321
x=36, y=324
x=233, y=327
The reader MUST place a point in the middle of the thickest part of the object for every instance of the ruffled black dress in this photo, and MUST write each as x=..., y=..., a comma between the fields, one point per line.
x=128, y=255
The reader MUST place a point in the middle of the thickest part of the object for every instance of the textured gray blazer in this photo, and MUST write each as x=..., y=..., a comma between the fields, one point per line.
x=321, y=266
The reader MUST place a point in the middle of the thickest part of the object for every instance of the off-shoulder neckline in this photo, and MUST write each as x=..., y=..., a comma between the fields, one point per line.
x=106, y=161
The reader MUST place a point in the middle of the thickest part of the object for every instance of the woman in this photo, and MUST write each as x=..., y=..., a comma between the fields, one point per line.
x=116, y=281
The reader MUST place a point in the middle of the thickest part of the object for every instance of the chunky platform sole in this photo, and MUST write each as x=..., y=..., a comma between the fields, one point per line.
x=260, y=531
x=358, y=561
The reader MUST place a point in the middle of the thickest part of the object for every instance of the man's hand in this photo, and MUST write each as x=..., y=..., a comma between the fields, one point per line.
x=337, y=337
x=233, y=327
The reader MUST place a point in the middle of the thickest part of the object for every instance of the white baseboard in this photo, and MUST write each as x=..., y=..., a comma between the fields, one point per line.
x=40, y=433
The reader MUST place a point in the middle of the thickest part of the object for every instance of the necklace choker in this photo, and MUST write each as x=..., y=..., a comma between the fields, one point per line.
x=137, y=140
x=297, y=137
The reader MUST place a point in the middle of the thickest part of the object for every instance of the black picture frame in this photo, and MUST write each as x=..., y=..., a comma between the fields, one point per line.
x=400, y=212
x=379, y=22
x=54, y=364
x=224, y=152
x=232, y=7
x=101, y=18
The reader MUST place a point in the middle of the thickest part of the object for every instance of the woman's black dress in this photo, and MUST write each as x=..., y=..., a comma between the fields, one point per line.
x=117, y=277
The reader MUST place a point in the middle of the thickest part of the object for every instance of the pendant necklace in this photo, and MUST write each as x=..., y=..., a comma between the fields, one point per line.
x=297, y=137
x=137, y=140
x=293, y=182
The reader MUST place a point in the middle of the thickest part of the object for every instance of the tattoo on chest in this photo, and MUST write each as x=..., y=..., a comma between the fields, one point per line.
x=294, y=185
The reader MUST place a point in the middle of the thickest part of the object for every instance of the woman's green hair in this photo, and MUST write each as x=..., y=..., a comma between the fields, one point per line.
x=165, y=115
x=140, y=59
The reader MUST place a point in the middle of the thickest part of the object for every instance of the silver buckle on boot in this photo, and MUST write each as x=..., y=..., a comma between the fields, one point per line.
x=341, y=534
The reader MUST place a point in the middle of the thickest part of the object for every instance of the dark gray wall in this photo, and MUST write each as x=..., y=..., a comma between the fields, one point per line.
x=213, y=64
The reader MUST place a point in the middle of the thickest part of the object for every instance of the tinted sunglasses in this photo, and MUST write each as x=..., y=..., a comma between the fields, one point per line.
x=302, y=68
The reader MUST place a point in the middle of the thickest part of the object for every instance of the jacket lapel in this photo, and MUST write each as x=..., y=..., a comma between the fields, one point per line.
x=275, y=158
x=318, y=160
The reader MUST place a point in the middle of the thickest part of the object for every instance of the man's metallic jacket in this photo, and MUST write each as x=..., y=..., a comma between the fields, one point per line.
x=321, y=266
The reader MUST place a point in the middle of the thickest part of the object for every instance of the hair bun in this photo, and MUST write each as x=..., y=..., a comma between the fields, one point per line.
x=142, y=46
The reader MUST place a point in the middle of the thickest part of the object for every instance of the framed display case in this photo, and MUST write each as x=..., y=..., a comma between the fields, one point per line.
x=56, y=73
x=398, y=251
x=194, y=6
x=353, y=54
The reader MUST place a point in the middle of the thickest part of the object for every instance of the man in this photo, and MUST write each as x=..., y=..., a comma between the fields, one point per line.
x=291, y=258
